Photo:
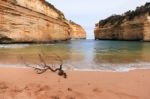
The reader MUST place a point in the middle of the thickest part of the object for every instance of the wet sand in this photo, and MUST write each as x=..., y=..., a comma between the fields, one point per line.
x=17, y=83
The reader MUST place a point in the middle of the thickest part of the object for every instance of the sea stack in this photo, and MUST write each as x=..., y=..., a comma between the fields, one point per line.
x=132, y=25
x=34, y=21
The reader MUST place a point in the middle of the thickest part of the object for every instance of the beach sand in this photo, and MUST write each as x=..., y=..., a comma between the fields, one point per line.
x=24, y=83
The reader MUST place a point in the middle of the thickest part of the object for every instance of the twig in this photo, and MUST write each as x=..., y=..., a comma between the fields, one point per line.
x=44, y=67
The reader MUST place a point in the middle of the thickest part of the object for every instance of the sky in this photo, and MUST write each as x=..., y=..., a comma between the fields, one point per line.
x=88, y=12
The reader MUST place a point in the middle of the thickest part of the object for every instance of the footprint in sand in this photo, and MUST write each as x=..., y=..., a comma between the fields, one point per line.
x=69, y=89
x=38, y=91
x=97, y=90
x=70, y=97
x=124, y=95
x=3, y=87
x=55, y=97
x=78, y=95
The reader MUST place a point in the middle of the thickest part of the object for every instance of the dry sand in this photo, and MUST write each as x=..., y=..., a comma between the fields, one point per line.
x=20, y=83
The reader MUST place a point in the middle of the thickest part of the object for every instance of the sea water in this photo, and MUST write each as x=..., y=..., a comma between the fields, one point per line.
x=89, y=55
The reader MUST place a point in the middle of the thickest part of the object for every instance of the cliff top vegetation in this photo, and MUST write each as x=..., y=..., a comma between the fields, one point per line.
x=53, y=7
x=129, y=15
x=73, y=23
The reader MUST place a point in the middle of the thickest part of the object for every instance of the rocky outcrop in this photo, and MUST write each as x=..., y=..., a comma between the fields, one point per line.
x=77, y=32
x=32, y=21
x=133, y=25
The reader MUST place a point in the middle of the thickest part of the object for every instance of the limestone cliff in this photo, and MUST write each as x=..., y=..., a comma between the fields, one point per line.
x=32, y=21
x=77, y=32
x=132, y=25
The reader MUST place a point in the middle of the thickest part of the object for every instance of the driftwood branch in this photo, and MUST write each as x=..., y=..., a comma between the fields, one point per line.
x=43, y=67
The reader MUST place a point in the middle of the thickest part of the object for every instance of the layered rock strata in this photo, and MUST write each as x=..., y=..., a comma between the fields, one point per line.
x=77, y=32
x=32, y=21
x=133, y=25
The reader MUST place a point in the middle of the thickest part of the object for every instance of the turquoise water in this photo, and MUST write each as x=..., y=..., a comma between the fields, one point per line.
x=81, y=54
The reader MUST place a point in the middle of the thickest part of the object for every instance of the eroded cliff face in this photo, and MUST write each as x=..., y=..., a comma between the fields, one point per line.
x=147, y=29
x=137, y=29
x=77, y=32
x=132, y=26
x=31, y=21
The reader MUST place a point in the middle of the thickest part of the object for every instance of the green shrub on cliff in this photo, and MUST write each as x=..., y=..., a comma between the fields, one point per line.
x=129, y=15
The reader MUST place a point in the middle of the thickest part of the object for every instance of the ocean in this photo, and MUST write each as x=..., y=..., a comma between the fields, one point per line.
x=82, y=55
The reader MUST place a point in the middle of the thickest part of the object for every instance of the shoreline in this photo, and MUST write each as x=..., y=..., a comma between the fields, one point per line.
x=24, y=83
x=119, y=70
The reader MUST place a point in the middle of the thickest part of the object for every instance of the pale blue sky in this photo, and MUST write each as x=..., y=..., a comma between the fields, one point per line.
x=88, y=12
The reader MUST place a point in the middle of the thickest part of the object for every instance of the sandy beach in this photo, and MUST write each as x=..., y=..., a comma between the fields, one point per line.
x=21, y=83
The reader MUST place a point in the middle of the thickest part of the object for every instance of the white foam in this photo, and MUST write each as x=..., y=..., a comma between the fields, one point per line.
x=104, y=67
x=13, y=45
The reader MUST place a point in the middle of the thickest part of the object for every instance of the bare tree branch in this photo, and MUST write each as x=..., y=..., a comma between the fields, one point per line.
x=41, y=68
